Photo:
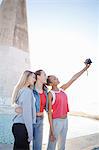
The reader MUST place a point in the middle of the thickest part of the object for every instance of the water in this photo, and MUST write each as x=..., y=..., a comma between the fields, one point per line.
x=78, y=126
x=5, y=128
x=6, y=116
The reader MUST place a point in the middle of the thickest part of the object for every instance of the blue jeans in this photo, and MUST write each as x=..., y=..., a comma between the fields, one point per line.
x=60, y=131
x=38, y=134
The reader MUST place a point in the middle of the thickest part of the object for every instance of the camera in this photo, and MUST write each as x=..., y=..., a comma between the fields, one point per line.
x=88, y=61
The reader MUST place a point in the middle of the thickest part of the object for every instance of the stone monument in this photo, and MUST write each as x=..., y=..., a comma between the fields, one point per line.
x=14, y=50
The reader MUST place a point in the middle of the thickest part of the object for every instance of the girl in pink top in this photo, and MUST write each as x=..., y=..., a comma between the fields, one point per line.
x=60, y=104
x=58, y=109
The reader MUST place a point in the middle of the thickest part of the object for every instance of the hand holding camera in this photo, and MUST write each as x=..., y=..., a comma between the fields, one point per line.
x=87, y=63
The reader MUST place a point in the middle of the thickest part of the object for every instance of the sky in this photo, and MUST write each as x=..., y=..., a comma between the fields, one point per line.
x=62, y=34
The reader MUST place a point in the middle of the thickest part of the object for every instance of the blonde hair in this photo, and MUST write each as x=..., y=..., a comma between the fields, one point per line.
x=20, y=84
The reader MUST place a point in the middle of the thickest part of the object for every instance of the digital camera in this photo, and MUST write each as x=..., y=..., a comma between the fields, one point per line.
x=88, y=61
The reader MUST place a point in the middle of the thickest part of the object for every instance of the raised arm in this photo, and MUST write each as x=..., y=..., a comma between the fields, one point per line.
x=75, y=77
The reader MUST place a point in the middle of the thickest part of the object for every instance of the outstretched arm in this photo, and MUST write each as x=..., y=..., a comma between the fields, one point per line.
x=75, y=77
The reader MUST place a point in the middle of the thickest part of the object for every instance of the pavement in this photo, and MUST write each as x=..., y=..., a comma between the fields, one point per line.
x=88, y=142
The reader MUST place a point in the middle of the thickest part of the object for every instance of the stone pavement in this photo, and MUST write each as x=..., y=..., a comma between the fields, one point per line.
x=88, y=142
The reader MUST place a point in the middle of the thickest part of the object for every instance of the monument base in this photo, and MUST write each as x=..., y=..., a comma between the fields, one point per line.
x=13, y=62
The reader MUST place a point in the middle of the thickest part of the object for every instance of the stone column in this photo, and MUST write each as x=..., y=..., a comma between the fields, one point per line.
x=14, y=50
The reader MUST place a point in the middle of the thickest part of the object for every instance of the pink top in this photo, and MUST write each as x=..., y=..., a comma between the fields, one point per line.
x=60, y=106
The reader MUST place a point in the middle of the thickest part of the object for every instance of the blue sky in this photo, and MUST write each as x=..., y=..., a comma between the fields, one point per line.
x=67, y=28
x=62, y=34
x=61, y=14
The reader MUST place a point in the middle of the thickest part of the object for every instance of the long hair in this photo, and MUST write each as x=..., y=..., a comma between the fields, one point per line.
x=22, y=81
x=38, y=73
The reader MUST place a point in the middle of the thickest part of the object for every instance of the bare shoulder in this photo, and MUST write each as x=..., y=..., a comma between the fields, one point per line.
x=50, y=94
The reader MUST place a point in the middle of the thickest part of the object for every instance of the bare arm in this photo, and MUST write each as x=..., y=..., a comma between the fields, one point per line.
x=50, y=111
x=75, y=77
x=52, y=138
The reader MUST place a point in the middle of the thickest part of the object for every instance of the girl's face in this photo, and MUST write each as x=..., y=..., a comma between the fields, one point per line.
x=54, y=80
x=43, y=77
x=31, y=79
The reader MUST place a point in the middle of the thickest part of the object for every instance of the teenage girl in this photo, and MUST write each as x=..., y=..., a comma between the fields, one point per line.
x=22, y=128
x=58, y=109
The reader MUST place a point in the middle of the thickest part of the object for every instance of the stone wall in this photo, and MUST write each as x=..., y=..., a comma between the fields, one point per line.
x=13, y=24
x=14, y=50
x=12, y=63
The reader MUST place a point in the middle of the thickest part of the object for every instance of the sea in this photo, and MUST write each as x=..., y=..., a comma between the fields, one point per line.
x=77, y=126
